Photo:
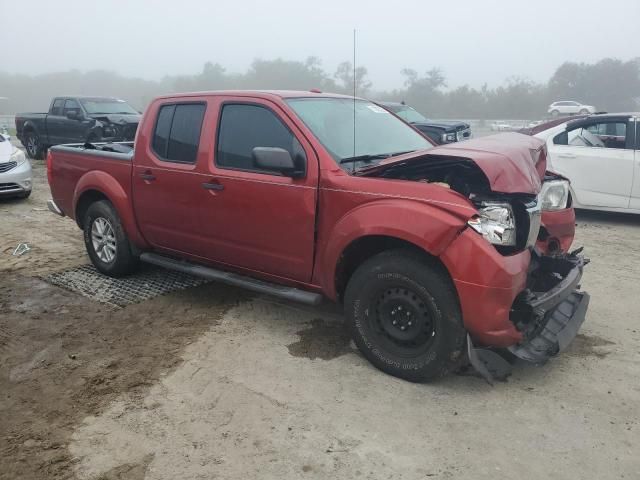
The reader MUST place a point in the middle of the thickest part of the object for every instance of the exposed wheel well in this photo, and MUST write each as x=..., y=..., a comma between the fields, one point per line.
x=86, y=199
x=366, y=247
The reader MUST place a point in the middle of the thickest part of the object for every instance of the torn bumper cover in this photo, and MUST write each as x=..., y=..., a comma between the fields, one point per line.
x=549, y=313
x=551, y=310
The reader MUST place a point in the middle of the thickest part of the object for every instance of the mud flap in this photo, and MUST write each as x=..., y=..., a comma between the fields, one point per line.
x=562, y=325
x=491, y=366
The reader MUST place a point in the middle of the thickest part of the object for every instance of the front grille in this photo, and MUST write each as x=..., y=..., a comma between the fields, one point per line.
x=5, y=167
x=463, y=133
x=535, y=219
x=8, y=187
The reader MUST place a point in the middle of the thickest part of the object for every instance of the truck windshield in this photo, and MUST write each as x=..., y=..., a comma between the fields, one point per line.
x=378, y=134
x=95, y=106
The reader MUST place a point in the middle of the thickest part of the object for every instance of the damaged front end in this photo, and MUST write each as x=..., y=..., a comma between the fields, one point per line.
x=548, y=313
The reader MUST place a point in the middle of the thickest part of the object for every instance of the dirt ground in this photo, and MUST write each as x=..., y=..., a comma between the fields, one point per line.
x=212, y=382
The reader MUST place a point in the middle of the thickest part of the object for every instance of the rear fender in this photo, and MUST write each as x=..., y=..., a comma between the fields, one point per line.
x=429, y=228
x=107, y=185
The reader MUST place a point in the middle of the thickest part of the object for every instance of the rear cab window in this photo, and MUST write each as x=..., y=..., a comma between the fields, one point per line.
x=176, y=135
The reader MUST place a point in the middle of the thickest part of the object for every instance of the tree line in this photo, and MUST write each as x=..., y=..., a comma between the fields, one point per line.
x=609, y=84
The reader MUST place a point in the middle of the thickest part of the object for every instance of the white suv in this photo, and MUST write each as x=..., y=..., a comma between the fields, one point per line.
x=567, y=107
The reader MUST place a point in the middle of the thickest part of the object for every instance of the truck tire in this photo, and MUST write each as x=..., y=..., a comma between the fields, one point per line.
x=32, y=145
x=106, y=241
x=404, y=316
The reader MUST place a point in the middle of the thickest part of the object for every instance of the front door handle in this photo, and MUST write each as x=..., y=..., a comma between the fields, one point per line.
x=566, y=155
x=147, y=176
x=212, y=186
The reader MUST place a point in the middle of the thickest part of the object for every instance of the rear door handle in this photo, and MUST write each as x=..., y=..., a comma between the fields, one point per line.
x=212, y=186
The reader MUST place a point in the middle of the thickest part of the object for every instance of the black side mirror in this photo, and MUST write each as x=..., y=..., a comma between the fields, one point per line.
x=275, y=159
x=73, y=115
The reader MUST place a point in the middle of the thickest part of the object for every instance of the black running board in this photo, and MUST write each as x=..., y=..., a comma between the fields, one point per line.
x=288, y=293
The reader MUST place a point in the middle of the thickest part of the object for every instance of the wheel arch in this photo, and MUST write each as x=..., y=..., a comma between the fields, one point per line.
x=363, y=248
x=378, y=226
x=97, y=185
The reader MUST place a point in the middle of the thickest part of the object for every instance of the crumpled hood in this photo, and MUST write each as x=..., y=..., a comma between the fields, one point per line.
x=118, y=119
x=512, y=162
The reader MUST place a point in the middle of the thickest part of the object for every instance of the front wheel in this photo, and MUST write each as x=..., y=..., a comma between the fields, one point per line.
x=584, y=112
x=106, y=241
x=404, y=316
x=555, y=113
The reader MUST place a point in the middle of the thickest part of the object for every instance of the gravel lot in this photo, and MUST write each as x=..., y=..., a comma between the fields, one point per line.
x=212, y=382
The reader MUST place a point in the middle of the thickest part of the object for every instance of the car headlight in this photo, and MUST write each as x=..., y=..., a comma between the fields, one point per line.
x=18, y=156
x=554, y=195
x=449, y=137
x=495, y=223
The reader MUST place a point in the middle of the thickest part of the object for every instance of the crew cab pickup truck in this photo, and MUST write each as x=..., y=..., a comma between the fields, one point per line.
x=441, y=131
x=76, y=119
x=431, y=250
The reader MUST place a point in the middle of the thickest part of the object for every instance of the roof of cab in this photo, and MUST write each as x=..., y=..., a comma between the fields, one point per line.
x=258, y=93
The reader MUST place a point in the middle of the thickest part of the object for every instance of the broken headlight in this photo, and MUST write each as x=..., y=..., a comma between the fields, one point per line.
x=496, y=223
x=554, y=195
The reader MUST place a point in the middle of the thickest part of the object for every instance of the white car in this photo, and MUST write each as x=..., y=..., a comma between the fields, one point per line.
x=600, y=155
x=15, y=170
x=569, y=107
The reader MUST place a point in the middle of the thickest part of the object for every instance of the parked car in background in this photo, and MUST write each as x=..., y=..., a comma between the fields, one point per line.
x=15, y=170
x=429, y=249
x=569, y=107
x=442, y=131
x=600, y=154
x=77, y=119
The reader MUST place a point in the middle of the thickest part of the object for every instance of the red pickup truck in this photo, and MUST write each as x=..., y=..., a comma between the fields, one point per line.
x=431, y=250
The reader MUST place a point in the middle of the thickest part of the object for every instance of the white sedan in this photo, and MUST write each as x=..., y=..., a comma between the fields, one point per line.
x=569, y=107
x=600, y=154
x=15, y=170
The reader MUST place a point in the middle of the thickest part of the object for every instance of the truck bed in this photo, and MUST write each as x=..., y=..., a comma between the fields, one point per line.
x=76, y=168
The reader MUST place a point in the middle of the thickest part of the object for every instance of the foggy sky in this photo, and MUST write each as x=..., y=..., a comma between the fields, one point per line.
x=471, y=41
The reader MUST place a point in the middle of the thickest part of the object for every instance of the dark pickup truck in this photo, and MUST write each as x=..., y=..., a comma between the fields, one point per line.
x=77, y=119
x=442, y=131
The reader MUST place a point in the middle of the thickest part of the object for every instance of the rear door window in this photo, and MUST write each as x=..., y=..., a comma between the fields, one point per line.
x=176, y=136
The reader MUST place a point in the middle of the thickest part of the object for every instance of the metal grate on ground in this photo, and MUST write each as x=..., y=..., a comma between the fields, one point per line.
x=148, y=282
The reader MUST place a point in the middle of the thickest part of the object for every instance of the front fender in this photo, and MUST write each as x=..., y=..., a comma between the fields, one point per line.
x=107, y=185
x=423, y=225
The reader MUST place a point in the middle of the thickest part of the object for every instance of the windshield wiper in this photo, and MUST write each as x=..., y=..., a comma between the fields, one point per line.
x=370, y=158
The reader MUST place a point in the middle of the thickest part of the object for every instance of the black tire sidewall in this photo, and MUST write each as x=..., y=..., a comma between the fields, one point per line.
x=38, y=154
x=125, y=261
x=433, y=287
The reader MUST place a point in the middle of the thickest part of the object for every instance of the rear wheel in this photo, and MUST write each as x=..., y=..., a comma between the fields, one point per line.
x=33, y=147
x=106, y=241
x=404, y=317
